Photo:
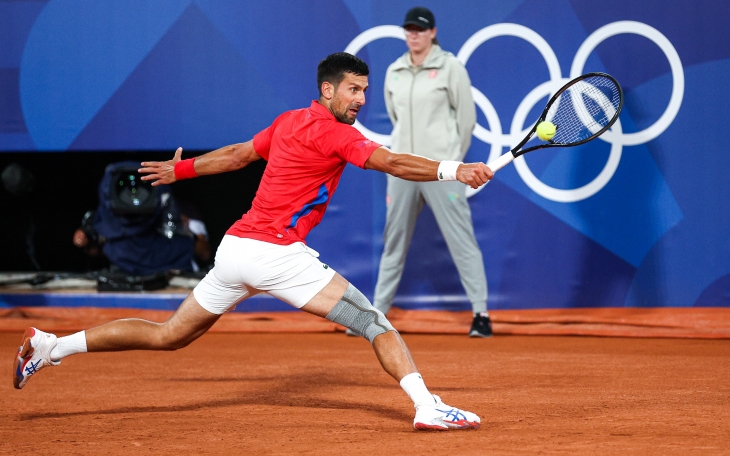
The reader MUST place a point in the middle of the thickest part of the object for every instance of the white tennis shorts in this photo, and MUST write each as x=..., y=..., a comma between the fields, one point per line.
x=245, y=267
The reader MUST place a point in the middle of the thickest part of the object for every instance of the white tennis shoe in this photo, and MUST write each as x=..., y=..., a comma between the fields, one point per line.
x=33, y=355
x=442, y=417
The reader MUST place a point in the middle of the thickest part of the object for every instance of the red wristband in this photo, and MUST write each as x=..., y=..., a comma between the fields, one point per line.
x=185, y=169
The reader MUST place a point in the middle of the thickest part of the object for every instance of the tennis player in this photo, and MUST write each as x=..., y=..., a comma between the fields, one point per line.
x=265, y=251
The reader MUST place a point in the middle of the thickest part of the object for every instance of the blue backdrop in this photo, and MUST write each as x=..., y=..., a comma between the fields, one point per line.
x=638, y=218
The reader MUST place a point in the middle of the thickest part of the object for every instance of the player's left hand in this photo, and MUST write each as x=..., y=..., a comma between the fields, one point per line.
x=474, y=174
x=161, y=172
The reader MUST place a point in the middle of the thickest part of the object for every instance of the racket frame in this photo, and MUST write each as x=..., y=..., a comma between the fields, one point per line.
x=504, y=160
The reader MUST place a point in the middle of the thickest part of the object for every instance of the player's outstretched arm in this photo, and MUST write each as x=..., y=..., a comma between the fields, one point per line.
x=421, y=169
x=228, y=158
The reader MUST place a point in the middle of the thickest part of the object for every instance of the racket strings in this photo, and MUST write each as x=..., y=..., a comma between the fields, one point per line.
x=584, y=109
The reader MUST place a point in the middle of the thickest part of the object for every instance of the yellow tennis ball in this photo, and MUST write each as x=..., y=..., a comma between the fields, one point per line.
x=546, y=130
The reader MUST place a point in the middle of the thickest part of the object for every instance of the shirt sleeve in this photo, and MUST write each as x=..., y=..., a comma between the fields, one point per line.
x=262, y=142
x=262, y=139
x=353, y=147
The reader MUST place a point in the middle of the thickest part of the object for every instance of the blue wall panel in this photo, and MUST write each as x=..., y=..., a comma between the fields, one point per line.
x=561, y=229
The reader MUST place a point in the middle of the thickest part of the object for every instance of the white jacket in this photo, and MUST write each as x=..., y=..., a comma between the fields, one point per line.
x=431, y=106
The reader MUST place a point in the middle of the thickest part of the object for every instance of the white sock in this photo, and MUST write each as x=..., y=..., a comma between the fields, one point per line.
x=483, y=314
x=413, y=385
x=69, y=345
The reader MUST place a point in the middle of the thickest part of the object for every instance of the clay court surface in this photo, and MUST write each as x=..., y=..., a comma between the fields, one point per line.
x=309, y=393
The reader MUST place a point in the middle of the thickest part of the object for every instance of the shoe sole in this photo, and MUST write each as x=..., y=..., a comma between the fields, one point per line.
x=463, y=425
x=24, y=353
x=478, y=334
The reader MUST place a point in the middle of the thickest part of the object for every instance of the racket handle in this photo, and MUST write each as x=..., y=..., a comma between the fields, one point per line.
x=500, y=162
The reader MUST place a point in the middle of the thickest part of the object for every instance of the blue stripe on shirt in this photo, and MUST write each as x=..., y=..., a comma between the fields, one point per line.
x=322, y=197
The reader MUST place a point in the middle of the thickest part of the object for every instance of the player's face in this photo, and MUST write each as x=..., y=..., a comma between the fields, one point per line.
x=418, y=39
x=349, y=97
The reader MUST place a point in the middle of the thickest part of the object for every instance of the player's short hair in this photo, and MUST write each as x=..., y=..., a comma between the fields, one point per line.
x=333, y=68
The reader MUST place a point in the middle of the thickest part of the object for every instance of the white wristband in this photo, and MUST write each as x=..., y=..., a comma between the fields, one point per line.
x=447, y=170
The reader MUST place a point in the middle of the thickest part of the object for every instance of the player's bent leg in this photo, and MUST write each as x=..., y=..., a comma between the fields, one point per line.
x=39, y=349
x=341, y=302
x=189, y=322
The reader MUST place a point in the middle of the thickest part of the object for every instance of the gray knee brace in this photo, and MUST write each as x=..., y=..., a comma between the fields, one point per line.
x=354, y=311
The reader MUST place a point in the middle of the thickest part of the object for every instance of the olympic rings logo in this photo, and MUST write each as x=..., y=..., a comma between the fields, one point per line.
x=518, y=129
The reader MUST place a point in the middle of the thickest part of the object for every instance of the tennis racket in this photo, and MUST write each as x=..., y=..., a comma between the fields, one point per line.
x=582, y=110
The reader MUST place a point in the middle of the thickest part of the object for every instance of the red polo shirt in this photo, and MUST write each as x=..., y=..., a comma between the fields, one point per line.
x=307, y=151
